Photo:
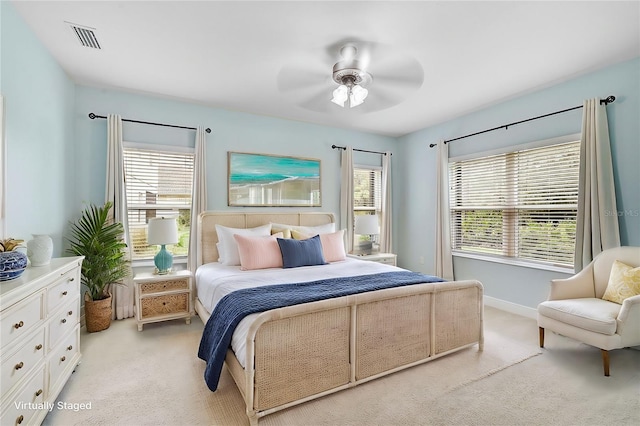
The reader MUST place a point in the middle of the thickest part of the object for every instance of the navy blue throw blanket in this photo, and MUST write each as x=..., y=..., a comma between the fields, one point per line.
x=233, y=307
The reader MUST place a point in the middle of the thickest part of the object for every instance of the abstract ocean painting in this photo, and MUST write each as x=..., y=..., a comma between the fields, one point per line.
x=271, y=180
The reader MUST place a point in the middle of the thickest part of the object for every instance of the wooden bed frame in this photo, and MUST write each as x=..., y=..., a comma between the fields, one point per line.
x=299, y=353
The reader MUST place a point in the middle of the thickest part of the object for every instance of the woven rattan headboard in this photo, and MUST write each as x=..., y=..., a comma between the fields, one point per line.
x=207, y=221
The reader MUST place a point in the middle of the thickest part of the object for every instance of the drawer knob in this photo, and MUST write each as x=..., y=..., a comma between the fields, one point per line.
x=63, y=320
x=19, y=365
x=63, y=359
x=64, y=293
x=18, y=325
x=69, y=347
x=38, y=347
x=71, y=279
x=39, y=392
x=70, y=313
x=20, y=419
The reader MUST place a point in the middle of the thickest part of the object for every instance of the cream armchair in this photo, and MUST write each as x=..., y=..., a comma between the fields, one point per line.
x=575, y=307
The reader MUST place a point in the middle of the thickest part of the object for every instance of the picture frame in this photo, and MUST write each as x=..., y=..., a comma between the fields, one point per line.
x=267, y=180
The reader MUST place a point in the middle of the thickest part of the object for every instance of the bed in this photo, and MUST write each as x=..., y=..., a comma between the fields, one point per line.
x=293, y=354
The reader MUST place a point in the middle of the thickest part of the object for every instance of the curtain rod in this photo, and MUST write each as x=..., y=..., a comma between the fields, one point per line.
x=606, y=101
x=93, y=116
x=360, y=150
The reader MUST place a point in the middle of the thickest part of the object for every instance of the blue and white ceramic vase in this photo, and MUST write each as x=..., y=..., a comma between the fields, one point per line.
x=40, y=249
x=12, y=264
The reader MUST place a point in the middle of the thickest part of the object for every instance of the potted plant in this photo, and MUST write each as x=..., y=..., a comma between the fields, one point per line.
x=99, y=240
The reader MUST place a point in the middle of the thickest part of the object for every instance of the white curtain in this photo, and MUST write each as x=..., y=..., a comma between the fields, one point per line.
x=444, y=260
x=387, y=217
x=198, y=196
x=597, y=221
x=122, y=295
x=346, y=196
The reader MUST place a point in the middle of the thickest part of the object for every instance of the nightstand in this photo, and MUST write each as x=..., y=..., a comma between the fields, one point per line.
x=163, y=297
x=387, y=258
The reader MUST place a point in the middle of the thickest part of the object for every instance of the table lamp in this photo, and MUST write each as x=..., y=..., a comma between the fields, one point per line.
x=366, y=225
x=162, y=231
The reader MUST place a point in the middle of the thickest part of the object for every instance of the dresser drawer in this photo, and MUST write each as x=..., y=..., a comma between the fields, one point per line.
x=63, y=321
x=21, y=409
x=64, y=356
x=21, y=318
x=387, y=260
x=65, y=288
x=161, y=286
x=165, y=304
x=22, y=362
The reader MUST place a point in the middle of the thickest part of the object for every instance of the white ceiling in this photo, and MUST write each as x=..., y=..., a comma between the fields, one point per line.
x=232, y=54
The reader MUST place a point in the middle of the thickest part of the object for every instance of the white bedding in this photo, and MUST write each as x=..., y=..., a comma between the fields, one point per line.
x=214, y=281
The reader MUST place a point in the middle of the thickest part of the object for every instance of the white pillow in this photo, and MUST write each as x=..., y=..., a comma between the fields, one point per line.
x=327, y=228
x=228, y=250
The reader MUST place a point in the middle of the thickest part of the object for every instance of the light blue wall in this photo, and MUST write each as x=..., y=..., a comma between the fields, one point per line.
x=231, y=131
x=415, y=189
x=39, y=108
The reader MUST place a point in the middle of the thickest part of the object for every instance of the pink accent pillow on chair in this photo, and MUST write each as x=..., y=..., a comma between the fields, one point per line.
x=259, y=252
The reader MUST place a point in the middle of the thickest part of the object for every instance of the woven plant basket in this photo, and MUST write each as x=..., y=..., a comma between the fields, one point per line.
x=97, y=313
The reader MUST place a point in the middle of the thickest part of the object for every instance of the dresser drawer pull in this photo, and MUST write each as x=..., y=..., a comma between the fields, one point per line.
x=39, y=392
x=18, y=325
x=19, y=365
x=63, y=359
x=69, y=347
x=38, y=347
x=71, y=279
x=70, y=313
x=63, y=320
x=20, y=419
x=64, y=293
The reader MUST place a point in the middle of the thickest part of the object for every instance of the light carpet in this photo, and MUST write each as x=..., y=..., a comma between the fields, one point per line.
x=155, y=378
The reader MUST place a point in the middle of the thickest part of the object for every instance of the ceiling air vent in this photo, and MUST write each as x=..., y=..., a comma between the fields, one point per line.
x=85, y=35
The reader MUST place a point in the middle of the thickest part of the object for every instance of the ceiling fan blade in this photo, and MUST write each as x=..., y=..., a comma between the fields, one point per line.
x=300, y=78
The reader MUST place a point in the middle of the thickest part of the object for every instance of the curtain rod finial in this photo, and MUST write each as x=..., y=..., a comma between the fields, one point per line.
x=208, y=130
x=92, y=115
x=431, y=145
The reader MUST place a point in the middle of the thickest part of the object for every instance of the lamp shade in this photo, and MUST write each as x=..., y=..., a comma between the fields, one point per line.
x=366, y=225
x=162, y=231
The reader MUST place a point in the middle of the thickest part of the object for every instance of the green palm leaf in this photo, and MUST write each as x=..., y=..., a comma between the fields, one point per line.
x=100, y=242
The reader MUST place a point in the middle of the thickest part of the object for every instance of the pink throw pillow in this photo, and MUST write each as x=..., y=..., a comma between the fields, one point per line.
x=259, y=252
x=333, y=246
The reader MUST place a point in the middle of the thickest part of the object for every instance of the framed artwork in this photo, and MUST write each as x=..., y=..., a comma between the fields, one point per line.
x=271, y=180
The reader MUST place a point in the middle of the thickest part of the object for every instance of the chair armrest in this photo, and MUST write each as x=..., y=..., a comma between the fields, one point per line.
x=578, y=286
x=629, y=321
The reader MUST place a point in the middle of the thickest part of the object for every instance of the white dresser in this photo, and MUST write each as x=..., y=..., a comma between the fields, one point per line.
x=40, y=335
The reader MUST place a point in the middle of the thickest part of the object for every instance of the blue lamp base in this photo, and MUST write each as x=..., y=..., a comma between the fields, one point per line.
x=163, y=261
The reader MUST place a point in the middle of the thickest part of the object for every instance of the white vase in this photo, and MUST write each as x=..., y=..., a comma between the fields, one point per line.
x=40, y=249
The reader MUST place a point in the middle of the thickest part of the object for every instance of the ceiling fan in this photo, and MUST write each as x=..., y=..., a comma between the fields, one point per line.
x=367, y=75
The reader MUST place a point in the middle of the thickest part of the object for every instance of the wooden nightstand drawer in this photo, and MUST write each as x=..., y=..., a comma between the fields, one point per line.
x=165, y=304
x=161, y=286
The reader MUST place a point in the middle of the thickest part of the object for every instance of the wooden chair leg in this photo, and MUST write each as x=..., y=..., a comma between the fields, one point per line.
x=605, y=361
x=541, y=330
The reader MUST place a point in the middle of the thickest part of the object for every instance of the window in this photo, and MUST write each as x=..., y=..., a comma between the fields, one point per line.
x=367, y=191
x=158, y=184
x=519, y=205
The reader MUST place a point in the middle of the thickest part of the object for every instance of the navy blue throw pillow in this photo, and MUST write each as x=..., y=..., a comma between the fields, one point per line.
x=297, y=253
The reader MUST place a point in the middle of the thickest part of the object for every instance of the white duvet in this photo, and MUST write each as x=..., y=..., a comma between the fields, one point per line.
x=214, y=281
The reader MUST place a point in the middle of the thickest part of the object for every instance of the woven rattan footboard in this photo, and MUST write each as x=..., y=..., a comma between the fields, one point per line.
x=302, y=352
x=298, y=353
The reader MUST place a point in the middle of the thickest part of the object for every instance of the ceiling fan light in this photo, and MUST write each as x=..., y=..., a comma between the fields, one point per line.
x=340, y=95
x=358, y=95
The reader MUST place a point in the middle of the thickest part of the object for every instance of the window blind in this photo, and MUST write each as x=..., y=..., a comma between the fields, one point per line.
x=367, y=189
x=519, y=204
x=158, y=184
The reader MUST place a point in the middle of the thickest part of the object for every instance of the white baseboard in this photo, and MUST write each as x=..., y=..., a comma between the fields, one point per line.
x=513, y=308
